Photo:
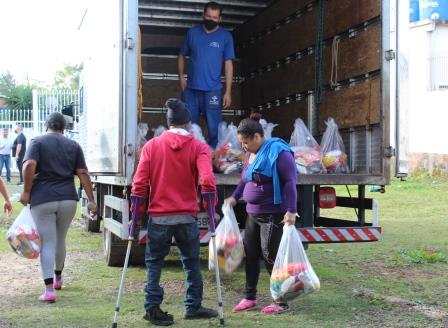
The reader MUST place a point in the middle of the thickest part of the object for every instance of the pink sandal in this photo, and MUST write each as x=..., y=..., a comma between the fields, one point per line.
x=275, y=308
x=48, y=296
x=57, y=284
x=245, y=305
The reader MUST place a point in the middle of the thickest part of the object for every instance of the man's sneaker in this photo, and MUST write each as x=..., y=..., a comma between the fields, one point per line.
x=245, y=305
x=48, y=296
x=201, y=313
x=157, y=317
x=57, y=284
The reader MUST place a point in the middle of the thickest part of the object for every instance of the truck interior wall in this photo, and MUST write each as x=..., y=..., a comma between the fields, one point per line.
x=156, y=91
x=277, y=53
x=160, y=47
x=276, y=60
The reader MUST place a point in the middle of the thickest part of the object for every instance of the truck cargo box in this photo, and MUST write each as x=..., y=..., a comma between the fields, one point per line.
x=308, y=59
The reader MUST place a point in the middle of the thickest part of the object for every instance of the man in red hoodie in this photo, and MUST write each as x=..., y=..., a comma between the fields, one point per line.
x=171, y=166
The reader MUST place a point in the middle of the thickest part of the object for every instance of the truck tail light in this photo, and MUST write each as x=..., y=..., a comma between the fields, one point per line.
x=327, y=197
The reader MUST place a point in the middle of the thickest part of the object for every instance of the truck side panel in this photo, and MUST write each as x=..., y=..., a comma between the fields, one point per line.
x=101, y=87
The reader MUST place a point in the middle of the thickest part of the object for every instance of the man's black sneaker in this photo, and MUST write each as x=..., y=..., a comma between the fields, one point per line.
x=157, y=317
x=201, y=313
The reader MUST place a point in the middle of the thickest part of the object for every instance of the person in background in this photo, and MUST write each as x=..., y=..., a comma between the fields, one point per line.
x=268, y=186
x=209, y=46
x=49, y=166
x=5, y=154
x=7, y=207
x=19, y=150
x=170, y=168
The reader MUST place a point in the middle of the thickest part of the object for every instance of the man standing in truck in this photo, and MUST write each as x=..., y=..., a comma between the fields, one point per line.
x=170, y=167
x=209, y=46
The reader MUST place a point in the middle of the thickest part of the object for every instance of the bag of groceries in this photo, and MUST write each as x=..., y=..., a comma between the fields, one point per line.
x=142, y=130
x=229, y=242
x=196, y=131
x=159, y=130
x=307, y=153
x=228, y=156
x=267, y=128
x=334, y=156
x=23, y=236
x=292, y=275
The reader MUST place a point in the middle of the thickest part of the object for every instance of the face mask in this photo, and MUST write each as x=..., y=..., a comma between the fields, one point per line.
x=210, y=24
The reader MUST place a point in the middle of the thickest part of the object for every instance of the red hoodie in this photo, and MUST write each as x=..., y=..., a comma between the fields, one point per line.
x=171, y=166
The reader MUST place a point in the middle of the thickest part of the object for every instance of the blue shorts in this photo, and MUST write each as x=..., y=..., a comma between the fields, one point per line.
x=208, y=104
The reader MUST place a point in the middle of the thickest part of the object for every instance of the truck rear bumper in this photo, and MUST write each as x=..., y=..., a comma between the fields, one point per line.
x=311, y=235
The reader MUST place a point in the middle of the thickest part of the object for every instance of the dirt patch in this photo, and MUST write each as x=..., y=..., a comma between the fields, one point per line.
x=403, y=304
x=20, y=277
x=17, y=276
x=4, y=324
x=407, y=272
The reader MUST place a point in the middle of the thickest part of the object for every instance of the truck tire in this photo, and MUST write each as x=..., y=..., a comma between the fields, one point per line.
x=114, y=249
x=92, y=225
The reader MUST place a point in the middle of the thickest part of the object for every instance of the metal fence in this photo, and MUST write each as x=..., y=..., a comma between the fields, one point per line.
x=9, y=117
x=33, y=119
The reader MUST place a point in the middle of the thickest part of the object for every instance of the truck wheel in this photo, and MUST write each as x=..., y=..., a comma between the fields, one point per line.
x=92, y=225
x=114, y=249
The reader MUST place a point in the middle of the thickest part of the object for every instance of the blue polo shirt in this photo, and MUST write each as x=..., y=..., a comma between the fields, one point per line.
x=207, y=53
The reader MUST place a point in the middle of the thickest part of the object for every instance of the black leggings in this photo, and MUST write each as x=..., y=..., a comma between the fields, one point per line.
x=262, y=237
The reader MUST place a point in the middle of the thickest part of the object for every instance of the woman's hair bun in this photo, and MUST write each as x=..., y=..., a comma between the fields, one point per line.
x=255, y=116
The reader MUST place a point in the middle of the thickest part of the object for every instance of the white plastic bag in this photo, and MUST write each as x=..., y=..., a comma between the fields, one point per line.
x=160, y=129
x=229, y=243
x=197, y=132
x=307, y=153
x=228, y=156
x=335, y=158
x=292, y=274
x=142, y=130
x=23, y=236
x=267, y=128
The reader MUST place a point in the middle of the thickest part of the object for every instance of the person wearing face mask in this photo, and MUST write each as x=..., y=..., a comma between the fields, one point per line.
x=268, y=186
x=209, y=46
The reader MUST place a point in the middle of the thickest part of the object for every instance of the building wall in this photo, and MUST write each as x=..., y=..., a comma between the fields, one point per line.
x=428, y=104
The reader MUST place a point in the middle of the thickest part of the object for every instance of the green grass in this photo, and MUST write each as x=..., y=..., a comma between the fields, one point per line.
x=409, y=264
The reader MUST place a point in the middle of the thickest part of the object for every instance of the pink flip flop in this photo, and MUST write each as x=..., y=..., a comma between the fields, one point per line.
x=275, y=308
x=245, y=305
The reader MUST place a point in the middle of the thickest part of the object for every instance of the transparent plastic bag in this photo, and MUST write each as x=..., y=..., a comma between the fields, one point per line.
x=23, y=236
x=229, y=243
x=267, y=128
x=159, y=130
x=197, y=132
x=307, y=153
x=141, y=137
x=228, y=156
x=292, y=275
x=334, y=156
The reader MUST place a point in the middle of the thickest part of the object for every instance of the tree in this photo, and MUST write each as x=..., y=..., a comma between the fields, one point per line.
x=17, y=96
x=7, y=82
x=68, y=77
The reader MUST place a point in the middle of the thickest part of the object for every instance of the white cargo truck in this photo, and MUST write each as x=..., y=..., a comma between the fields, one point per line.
x=312, y=59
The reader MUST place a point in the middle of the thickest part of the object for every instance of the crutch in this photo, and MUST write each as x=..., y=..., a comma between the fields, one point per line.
x=209, y=198
x=137, y=202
